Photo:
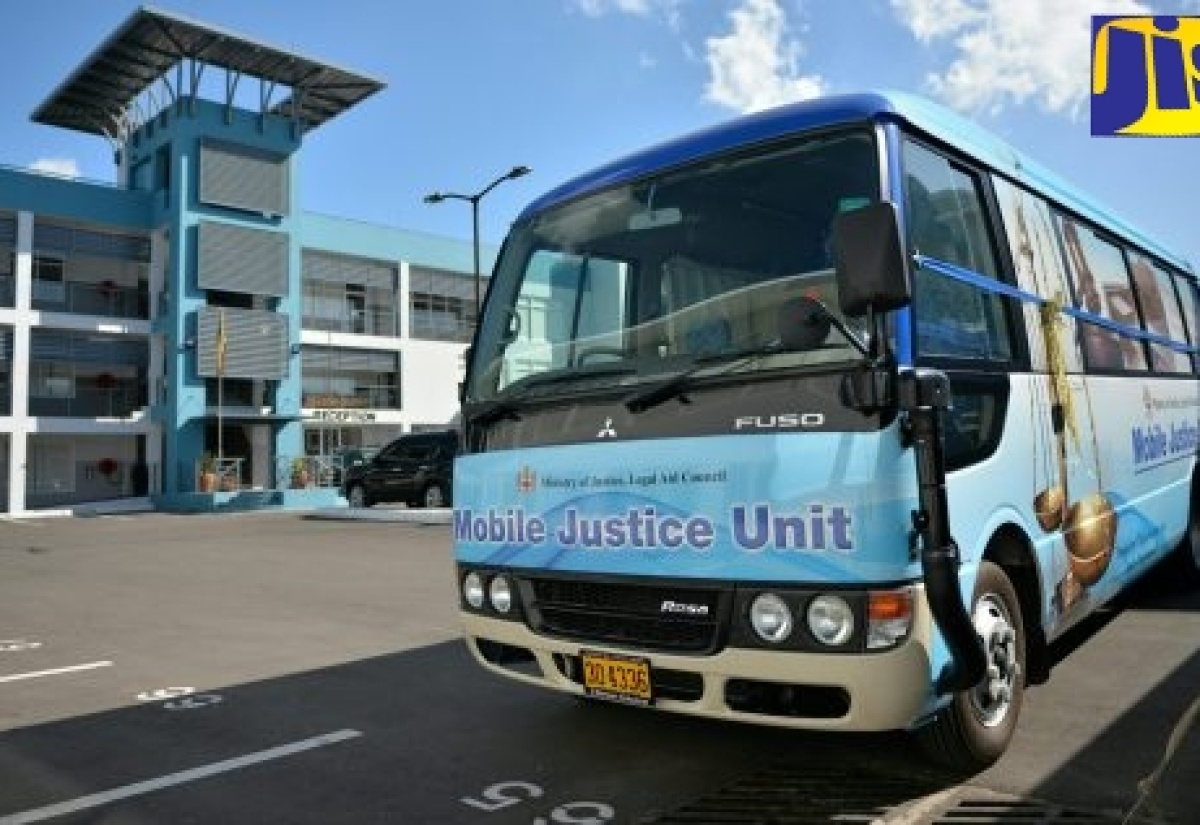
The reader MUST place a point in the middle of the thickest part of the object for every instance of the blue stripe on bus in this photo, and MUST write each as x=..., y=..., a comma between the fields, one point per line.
x=987, y=284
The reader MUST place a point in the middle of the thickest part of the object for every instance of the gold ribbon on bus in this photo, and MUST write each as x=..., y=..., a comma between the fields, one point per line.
x=1052, y=324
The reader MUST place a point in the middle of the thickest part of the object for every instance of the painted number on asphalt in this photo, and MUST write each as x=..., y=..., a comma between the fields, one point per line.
x=580, y=813
x=180, y=698
x=164, y=693
x=506, y=794
x=200, y=700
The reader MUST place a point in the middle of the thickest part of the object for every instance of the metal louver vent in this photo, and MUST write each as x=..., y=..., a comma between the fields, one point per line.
x=237, y=259
x=256, y=343
x=243, y=178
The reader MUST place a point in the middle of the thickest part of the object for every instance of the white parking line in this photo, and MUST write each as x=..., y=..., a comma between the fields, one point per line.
x=37, y=674
x=138, y=788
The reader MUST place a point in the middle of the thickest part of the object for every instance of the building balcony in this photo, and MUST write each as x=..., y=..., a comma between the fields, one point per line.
x=370, y=321
x=104, y=299
x=79, y=400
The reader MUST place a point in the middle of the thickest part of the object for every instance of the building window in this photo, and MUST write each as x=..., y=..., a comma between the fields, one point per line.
x=350, y=379
x=442, y=305
x=48, y=282
x=162, y=168
x=345, y=294
x=51, y=379
x=6, y=345
x=7, y=282
x=50, y=467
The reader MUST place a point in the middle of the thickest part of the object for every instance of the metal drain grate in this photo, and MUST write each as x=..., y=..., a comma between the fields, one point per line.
x=1019, y=812
x=788, y=797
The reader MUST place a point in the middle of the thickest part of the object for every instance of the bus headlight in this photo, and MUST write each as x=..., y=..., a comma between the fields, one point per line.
x=831, y=620
x=771, y=618
x=889, y=617
x=472, y=589
x=500, y=594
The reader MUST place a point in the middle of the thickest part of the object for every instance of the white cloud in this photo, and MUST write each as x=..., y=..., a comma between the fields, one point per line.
x=667, y=9
x=756, y=65
x=596, y=8
x=931, y=19
x=1011, y=51
x=66, y=167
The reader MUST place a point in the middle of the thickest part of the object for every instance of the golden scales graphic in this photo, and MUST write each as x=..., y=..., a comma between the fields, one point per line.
x=1088, y=524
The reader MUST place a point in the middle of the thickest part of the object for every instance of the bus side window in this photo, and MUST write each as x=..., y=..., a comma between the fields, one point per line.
x=1102, y=286
x=972, y=429
x=946, y=220
x=1160, y=309
x=1188, y=299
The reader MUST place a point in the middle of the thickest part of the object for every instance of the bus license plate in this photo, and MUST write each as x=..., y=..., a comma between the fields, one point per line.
x=615, y=677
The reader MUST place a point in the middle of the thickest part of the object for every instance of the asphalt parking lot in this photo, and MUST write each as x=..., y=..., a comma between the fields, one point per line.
x=273, y=668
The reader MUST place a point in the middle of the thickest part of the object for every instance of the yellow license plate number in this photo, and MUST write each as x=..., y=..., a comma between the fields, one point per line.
x=615, y=677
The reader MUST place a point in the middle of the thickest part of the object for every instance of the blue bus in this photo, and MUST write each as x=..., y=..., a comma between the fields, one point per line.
x=830, y=417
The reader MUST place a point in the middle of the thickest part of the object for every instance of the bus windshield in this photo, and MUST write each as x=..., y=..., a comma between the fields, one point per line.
x=677, y=271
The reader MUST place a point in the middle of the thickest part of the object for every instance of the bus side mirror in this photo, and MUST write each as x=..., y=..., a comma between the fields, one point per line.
x=869, y=262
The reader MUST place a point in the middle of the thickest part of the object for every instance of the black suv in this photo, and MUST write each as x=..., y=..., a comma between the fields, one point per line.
x=417, y=469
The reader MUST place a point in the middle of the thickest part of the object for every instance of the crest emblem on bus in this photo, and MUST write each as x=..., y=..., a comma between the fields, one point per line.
x=607, y=430
x=526, y=480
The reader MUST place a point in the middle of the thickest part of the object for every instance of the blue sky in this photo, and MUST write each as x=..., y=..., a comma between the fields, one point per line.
x=477, y=86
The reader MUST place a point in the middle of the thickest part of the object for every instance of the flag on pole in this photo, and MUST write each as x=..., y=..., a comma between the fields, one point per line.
x=222, y=343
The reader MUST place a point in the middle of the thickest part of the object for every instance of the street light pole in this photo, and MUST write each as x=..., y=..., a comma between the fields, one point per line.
x=438, y=197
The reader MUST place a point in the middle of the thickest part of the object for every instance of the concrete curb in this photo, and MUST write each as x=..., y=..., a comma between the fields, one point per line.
x=404, y=516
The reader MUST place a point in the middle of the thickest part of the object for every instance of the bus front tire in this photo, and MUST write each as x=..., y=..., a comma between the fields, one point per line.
x=972, y=732
x=1187, y=554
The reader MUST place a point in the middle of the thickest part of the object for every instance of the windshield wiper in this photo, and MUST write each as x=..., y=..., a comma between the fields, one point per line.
x=819, y=311
x=678, y=383
x=508, y=404
x=804, y=323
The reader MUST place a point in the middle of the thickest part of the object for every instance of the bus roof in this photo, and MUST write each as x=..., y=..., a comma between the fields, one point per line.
x=936, y=121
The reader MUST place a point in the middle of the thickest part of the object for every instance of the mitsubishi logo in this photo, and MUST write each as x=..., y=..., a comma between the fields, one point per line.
x=607, y=430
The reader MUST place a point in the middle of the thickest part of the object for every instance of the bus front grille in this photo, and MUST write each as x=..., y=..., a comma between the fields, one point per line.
x=656, y=617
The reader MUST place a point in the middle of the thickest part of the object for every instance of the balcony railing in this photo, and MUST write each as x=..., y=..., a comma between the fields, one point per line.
x=91, y=299
x=439, y=327
x=369, y=321
x=119, y=401
x=224, y=475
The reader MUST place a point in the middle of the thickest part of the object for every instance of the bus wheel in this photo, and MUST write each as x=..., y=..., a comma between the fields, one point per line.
x=1187, y=554
x=975, y=728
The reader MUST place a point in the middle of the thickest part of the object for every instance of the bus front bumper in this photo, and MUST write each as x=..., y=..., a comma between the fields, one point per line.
x=876, y=691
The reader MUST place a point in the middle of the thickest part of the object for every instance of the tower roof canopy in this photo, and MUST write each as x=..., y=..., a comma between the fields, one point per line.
x=98, y=96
